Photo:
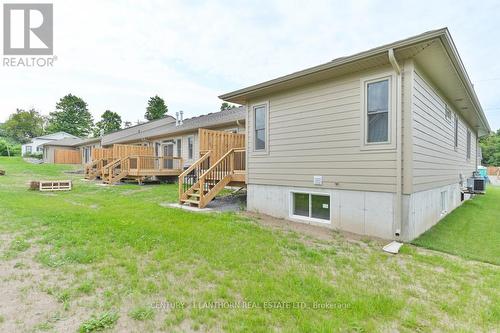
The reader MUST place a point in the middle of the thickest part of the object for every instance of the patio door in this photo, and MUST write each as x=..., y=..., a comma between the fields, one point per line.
x=168, y=150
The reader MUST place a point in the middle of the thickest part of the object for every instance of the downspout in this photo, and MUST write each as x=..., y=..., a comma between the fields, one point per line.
x=399, y=129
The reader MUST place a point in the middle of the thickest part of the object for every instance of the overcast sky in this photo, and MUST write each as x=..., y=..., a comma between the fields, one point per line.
x=116, y=54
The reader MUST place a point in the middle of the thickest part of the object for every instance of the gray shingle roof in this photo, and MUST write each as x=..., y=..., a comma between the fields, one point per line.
x=71, y=142
x=66, y=142
x=203, y=121
x=124, y=134
x=51, y=136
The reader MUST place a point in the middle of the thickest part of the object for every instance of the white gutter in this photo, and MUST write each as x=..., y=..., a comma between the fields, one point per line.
x=399, y=170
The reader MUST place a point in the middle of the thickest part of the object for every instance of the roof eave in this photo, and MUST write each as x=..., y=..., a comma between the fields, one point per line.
x=238, y=96
x=452, y=51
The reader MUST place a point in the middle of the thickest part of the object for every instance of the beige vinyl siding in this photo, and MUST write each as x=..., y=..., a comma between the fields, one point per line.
x=317, y=130
x=436, y=162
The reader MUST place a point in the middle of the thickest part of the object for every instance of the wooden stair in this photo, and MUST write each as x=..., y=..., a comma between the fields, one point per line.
x=201, y=182
x=92, y=169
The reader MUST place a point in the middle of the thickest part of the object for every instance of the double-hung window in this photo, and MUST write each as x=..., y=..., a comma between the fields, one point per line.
x=260, y=127
x=377, y=108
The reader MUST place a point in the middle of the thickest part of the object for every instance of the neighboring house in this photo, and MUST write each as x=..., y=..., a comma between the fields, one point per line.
x=379, y=143
x=123, y=135
x=35, y=146
x=180, y=137
x=81, y=147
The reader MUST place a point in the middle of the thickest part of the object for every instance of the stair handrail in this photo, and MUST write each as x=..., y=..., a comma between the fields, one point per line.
x=110, y=167
x=90, y=166
x=201, y=180
x=189, y=170
x=199, y=161
x=229, y=152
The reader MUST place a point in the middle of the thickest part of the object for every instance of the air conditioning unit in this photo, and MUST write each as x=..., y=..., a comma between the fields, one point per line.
x=476, y=184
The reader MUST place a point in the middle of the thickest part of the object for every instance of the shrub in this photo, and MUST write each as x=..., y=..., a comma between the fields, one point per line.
x=8, y=148
x=102, y=322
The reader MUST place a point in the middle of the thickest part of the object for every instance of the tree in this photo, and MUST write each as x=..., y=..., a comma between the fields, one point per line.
x=8, y=148
x=226, y=106
x=490, y=147
x=110, y=122
x=24, y=125
x=71, y=116
x=156, y=108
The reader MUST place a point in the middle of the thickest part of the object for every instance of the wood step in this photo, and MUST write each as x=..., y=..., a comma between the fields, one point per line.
x=193, y=194
x=195, y=202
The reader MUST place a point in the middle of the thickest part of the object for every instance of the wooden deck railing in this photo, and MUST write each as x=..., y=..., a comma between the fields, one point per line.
x=155, y=163
x=204, y=181
x=189, y=178
x=239, y=158
x=93, y=169
x=141, y=166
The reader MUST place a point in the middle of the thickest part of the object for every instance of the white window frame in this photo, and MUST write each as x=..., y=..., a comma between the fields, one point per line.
x=191, y=137
x=29, y=149
x=266, y=130
x=305, y=218
x=390, y=144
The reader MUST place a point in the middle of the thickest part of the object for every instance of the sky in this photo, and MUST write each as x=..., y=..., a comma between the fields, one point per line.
x=117, y=54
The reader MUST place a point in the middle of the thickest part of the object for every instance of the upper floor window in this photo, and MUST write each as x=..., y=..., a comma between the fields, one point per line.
x=260, y=127
x=377, y=111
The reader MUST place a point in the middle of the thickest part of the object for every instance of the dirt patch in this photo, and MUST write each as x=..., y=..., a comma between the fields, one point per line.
x=23, y=306
x=305, y=229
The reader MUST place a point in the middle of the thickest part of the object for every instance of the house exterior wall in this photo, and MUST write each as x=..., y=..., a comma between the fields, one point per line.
x=317, y=130
x=86, y=150
x=424, y=209
x=361, y=212
x=437, y=167
x=35, y=146
x=48, y=154
x=436, y=162
x=36, y=142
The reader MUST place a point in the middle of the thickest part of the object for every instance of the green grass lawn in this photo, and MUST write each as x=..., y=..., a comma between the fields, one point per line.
x=116, y=258
x=471, y=231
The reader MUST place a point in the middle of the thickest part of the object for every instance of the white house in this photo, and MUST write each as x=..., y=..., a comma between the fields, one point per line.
x=36, y=143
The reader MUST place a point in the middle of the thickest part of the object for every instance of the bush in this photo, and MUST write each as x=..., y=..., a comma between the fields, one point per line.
x=38, y=155
x=8, y=148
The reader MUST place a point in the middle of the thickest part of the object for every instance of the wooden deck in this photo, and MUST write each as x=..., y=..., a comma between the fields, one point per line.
x=140, y=167
x=130, y=162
